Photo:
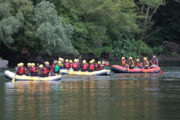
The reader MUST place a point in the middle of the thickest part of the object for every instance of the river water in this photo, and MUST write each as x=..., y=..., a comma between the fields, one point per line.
x=115, y=97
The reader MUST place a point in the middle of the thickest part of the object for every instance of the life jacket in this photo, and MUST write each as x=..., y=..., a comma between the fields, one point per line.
x=43, y=71
x=33, y=69
x=67, y=65
x=155, y=61
x=48, y=67
x=75, y=65
x=106, y=63
x=123, y=62
x=91, y=67
x=100, y=67
x=22, y=70
x=138, y=64
x=85, y=66
x=131, y=63
x=146, y=63
x=52, y=67
x=56, y=68
x=29, y=69
x=71, y=65
x=95, y=65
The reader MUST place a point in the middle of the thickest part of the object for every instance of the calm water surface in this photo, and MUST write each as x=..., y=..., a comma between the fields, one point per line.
x=115, y=97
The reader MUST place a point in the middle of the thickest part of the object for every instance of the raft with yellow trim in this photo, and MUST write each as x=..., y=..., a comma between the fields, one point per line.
x=8, y=74
x=120, y=69
x=95, y=73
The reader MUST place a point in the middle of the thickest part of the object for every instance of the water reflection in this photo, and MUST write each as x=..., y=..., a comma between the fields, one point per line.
x=88, y=98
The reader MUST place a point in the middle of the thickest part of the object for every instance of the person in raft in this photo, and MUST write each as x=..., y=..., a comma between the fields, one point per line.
x=146, y=63
x=131, y=63
x=75, y=65
x=21, y=70
x=57, y=68
x=100, y=66
x=34, y=70
x=70, y=64
x=28, y=69
x=154, y=61
x=85, y=66
x=42, y=71
x=138, y=64
x=123, y=62
x=91, y=66
x=67, y=64
x=48, y=67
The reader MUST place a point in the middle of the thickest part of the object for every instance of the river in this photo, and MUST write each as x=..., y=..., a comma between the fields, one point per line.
x=114, y=97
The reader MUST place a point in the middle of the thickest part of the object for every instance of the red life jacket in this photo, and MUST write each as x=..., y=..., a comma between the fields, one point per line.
x=91, y=67
x=138, y=64
x=71, y=65
x=33, y=69
x=106, y=63
x=29, y=69
x=100, y=67
x=22, y=70
x=96, y=65
x=155, y=62
x=47, y=69
x=52, y=68
x=67, y=65
x=75, y=65
x=85, y=66
x=43, y=71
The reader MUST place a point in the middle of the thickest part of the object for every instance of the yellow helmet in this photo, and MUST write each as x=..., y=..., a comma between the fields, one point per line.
x=123, y=57
x=137, y=60
x=33, y=64
x=60, y=58
x=19, y=64
x=74, y=60
x=99, y=62
x=130, y=58
x=91, y=62
x=40, y=66
x=145, y=58
x=84, y=61
x=28, y=64
x=47, y=63
x=70, y=61
x=67, y=60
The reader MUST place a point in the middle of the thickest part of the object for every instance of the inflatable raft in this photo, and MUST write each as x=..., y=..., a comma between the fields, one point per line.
x=10, y=75
x=120, y=69
x=96, y=73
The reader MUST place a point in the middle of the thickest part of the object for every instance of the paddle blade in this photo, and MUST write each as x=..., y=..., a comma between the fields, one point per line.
x=161, y=72
x=13, y=80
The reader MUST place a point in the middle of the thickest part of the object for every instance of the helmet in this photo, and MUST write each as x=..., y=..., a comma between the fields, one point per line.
x=91, y=62
x=21, y=64
x=137, y=60
x=18, y=64
x=84, y=61
x=33, y=64
x=70, y=61
x=60, y=58
x=40, y=66
x=47, y=63
x=130, y=58
x=154, y=56
x=123, y=57
x=99, y=62
x=75, y=60
x=145, y=58
x=67, y=60
x=28, y=64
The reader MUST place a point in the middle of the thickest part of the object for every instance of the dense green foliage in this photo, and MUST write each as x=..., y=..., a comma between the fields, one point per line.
x=81, y=27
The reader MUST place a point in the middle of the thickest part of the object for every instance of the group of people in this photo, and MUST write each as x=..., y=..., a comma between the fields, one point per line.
x=145, y=64
x=50, y=70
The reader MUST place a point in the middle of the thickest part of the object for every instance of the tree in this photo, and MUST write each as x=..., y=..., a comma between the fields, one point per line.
x=53, y=34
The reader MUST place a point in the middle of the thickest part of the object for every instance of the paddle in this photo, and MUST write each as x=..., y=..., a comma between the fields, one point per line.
x=13, y=80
